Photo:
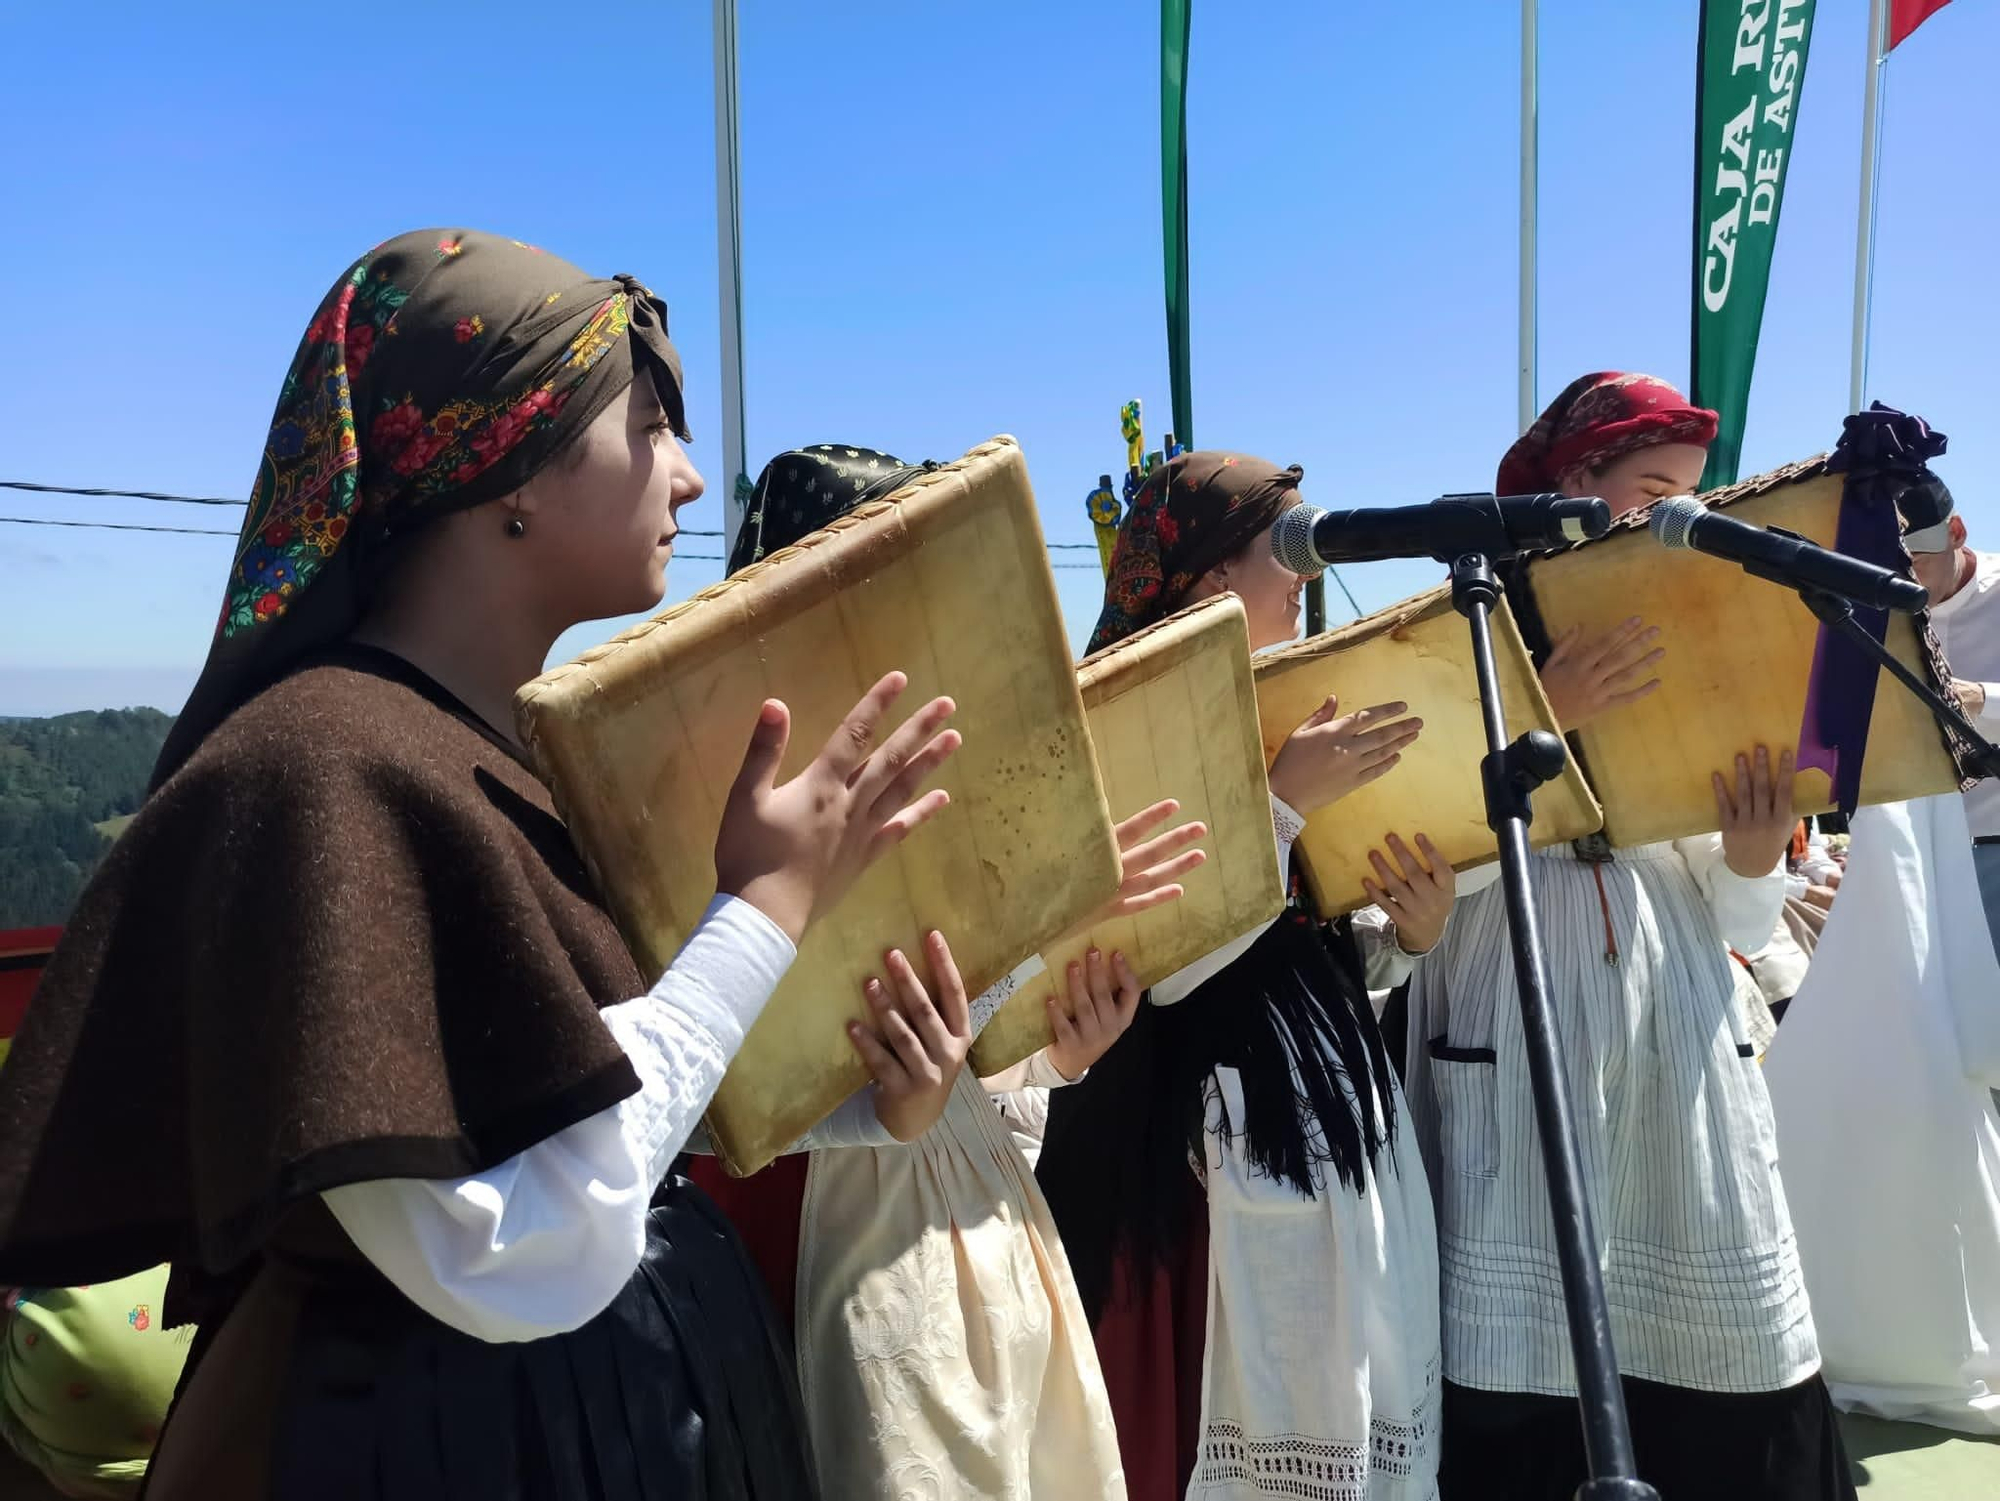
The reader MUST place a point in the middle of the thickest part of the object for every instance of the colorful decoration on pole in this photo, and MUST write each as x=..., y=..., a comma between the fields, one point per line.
x=1105, y=513
x=1751, y=67
x=1103, y=505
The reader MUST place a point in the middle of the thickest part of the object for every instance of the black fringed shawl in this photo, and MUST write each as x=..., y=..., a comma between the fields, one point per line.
x=1292, y=1017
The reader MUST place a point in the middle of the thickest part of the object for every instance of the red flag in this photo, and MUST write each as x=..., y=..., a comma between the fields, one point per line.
x=1905, y=16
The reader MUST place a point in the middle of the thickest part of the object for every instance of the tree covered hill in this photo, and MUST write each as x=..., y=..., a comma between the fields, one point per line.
x=67, y=786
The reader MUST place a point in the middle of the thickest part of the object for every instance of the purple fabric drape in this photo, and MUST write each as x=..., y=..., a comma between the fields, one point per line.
x=1881, y=451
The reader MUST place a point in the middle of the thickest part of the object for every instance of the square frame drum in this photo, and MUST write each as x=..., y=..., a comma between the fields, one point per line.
x=641, y=740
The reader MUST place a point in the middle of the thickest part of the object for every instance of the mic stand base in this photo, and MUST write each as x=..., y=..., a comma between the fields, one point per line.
x=1510, y=774
x=1837, y=611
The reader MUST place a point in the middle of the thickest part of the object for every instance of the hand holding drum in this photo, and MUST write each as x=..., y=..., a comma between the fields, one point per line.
x=1417, y=891
x=792, y=851
x=1585, y=678
x=921, y=1040
x=1331, y=754
x=1103, y=991
x=1757, y=821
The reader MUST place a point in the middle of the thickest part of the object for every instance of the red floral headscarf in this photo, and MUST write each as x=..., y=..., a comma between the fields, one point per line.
x=1597, y=419
x=442, y=370
x=1194, y=511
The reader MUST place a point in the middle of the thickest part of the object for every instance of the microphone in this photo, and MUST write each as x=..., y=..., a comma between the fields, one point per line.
x=1783, y=557
x=1306, y=539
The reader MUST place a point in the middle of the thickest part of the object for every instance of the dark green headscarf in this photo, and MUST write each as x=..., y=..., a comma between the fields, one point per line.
x=441, y=372
x=804, y=489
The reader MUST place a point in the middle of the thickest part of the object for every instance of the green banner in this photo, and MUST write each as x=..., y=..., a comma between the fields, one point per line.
x=1173, y=205
x=1752, y=66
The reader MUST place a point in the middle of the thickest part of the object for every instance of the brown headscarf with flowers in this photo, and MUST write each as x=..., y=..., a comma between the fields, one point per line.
x=1599, y=418
x=442, y=371
x=1191, y=513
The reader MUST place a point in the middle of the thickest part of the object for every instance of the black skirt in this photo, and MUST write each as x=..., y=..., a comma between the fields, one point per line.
x=684, y=1389
x=1690, y=1445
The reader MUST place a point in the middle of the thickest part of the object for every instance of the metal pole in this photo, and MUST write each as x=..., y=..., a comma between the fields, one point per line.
x=1526, y=408
x=729, y=270
x=1510, y=773
x=1864, y=229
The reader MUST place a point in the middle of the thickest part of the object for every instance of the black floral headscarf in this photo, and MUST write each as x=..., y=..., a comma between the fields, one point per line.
x=1191, y=513
x=442, y=371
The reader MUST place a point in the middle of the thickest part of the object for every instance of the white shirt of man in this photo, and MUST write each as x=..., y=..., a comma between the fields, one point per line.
x=1968, y=624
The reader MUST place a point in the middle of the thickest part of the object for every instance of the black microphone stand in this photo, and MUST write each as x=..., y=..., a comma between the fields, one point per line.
x=1510, y=773
x=1837, y=610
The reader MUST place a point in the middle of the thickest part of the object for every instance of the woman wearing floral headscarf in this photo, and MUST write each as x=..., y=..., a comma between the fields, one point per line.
x=1267, y=1322
x=1708, y=1305
x=341, y=1027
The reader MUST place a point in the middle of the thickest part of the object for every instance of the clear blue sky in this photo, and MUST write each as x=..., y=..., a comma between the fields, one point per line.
x=952, y=230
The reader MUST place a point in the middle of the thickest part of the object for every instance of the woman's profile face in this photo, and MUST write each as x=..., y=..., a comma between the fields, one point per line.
x=604, y=514
x=1269, y=590
x=1638, y=479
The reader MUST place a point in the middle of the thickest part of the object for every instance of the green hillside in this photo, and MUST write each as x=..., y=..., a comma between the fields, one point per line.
x=68, y=786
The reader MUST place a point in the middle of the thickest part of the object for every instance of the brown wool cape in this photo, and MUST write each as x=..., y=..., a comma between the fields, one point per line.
x=346, y=938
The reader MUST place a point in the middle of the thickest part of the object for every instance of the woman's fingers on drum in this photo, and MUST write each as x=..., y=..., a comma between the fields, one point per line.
x=909, y=1048
x=1781, y=786
x=1153, y=877
x=918, y=746
x=893, y=830
x=1146, y=901
x=1412, y=867
x=1324, y=714
x=1724, y=803
x=898, y=790
x=1397, y=885
x=1163, y=847
x=769, y=737
x=1442, y=876
x=1628, y=650
x=1393, y=745
x=883, y=1065
x=1760, y=781
x=1622, y=673
x=1142, y=823
x=1060, y=1024
x=1374, y=715
x=1082, y=1005
x=1565, y=646
x=1103, y=984
x=1633, y=695
x=954, y=1007
x=892, y=1030
x=1377, y=771
x=915, y=1006
x=1614, y=640
x=1129, y=988
x=851, y=741
x=1392, y=736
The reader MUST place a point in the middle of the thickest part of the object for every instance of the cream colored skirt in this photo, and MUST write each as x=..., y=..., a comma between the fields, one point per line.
x=943, y=1352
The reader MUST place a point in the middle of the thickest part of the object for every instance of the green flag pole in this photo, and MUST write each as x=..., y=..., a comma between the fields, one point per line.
x=1173, y=205
x=1751, y=68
